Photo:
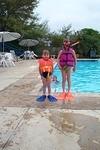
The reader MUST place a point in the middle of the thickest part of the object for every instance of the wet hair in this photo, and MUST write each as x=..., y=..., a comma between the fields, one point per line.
x=46, y=52
x=67, y=42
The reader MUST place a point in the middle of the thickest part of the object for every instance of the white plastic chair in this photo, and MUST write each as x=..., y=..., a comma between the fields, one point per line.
x=9, y=59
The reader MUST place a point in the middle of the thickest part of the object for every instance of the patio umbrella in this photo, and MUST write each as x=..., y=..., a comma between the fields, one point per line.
x=28, y=42
x=8, y=36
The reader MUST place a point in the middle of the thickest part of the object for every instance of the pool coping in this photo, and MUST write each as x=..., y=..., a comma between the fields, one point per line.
x=87, y=94
x=98, y=59
x=82, y=94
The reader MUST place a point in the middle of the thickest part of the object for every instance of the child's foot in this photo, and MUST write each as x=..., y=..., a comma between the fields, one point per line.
x=62, y=96
x=52, y=98
x=69, y=96
x=41, y=98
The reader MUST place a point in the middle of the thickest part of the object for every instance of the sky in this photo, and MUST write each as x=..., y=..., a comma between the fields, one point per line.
x=79, y=13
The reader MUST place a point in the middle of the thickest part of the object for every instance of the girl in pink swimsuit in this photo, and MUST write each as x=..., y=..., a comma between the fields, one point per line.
x=66, y=61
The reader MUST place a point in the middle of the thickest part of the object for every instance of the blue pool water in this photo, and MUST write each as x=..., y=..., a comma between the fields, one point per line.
x=85, y=79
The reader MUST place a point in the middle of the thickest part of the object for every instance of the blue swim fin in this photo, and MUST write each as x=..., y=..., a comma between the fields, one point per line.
x=52, y=98
x=41, y=98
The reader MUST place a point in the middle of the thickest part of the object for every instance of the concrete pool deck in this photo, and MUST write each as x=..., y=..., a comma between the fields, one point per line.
x=27, y=125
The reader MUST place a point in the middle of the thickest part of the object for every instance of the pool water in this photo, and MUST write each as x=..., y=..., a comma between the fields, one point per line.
x=86, y=78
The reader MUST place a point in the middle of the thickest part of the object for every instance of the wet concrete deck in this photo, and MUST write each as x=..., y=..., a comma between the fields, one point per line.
x=49, y=129
x=13, y=74
x=28, y=125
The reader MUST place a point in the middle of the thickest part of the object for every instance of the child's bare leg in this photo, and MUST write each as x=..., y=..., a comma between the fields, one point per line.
x=44, y=86
x=64, y=76
x=69, y=79
x=49, y=86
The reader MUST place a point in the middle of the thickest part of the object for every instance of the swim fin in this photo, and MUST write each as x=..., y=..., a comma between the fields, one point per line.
x=65, y=96
x=52, y=98
x=69, y=96
x=41, y=98
x=61, y=96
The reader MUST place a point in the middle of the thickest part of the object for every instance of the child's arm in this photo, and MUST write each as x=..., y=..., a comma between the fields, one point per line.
x=39, y=71
x=74, y=54
x=39, y=66
x=58, y=59
x=52, y=64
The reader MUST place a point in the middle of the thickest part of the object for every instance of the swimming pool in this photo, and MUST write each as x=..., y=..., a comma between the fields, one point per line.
x=85, y=79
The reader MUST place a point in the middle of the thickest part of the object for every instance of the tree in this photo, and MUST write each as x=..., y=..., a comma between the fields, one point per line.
x=15, y=14
x=66, y=32
x=56, y=39
x=89, y=39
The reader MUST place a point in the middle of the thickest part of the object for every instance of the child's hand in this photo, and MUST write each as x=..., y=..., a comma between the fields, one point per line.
x=59, y=66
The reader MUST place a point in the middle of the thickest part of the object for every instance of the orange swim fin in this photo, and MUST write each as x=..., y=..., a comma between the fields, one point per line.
x=69, y=96
x=61, y=96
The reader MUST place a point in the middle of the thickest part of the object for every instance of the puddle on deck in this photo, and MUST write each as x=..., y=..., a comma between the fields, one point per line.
x=87, y=127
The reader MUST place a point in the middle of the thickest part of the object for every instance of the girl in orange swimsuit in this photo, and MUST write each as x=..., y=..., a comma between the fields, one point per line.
x=45, y=70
